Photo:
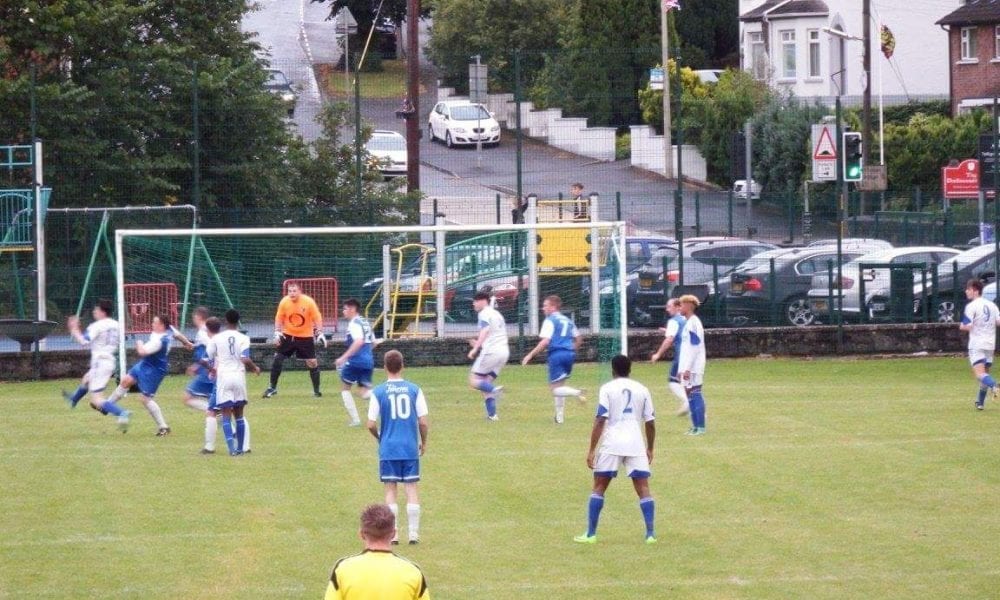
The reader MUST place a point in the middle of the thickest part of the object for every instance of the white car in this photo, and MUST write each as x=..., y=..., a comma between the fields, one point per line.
x=458, y=122
x=389, y=149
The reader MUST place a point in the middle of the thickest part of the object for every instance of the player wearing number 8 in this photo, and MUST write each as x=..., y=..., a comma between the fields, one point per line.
x=397, y=417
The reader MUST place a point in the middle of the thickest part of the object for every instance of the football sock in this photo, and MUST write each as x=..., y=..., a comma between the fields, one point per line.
x=246, y=436
x=211, y=428
x=413, y=520
x=697, y=408
x=199, y=404
x=560, y=403
x=352, y=408
x=565, y=390
x=78, y=394
x=678, y=390
x=241, y=432
x=394, y=507
x=154, y=411
x=648, y=507
x=981, y=396
x=988, y=380
x=491, y=406
x=314, y=377
x=118, y=394
x=110, y=408
x=276, y=369
x=227, y=430
x=485, y=386
x=594, y=513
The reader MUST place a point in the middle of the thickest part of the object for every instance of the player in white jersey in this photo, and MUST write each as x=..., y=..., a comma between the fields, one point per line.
x=625, y=408
x=691, y=364
x=101, y=337
x=980, y=319
x=230, y=352
x=491, y=345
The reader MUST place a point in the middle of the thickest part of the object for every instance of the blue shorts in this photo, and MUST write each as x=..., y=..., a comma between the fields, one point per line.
x=212, y=401
x=147, y=378
x=560, y=365
x=202, y=388
x=407, y=471
x=674, y=375
x=355, y=375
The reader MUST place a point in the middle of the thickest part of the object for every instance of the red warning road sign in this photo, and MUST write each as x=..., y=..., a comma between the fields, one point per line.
x=825, y=148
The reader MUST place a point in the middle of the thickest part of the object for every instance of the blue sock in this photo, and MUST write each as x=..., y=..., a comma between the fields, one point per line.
x=697, y=402
x=241, y=432
x=227, y=430
x=485, y=386
x=648, y=507
x=491, y=406
x=988, y=381
x=981, y=397
x=78, y=394
x=594, y=513
x=111, y=408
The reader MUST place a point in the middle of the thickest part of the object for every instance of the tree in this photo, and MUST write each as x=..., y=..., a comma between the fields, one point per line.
x=781, y=143
x=651, y=101
x=709, y=33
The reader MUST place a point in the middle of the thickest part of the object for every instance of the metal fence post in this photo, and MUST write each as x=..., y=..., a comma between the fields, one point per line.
x=618, y=206
x=697, y=213
x=729, y=201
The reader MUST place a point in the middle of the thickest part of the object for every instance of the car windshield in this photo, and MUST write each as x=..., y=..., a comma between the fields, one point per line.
x=276, y=79
x=471, y=112
x=386, y=142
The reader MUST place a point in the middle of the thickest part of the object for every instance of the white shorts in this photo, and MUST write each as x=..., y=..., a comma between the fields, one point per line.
x=607, y=465
x=230, y=388
x=980, y=356
x=101, y=369
x=491, y=363
x=693, y=380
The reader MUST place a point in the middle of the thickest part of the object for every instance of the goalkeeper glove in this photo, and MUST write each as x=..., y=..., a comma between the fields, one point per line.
x=321, y=339
x=278, y=336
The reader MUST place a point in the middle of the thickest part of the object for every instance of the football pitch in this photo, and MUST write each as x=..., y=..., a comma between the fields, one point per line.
x=817, y=479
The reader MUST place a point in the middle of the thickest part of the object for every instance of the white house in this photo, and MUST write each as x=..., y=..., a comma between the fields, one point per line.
x=784, y=43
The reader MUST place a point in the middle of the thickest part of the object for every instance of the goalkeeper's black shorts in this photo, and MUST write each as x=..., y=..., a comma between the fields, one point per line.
x=301, y=347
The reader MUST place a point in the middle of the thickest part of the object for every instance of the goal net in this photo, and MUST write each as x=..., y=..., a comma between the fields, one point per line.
x=415, y=284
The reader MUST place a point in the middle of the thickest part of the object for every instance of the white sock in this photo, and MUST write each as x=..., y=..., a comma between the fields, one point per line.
x=199, y=404
x=156, y=413
x=560, y=403
x=395, y=513
x=246, y=435
x=211, y=428
x=678, y=391
x=565, y=390
x=118, y=394
x=352, y=409
x=413, y=520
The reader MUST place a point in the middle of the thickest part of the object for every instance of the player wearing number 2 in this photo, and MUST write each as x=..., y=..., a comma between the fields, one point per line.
x=400, y=409
x=624, y=405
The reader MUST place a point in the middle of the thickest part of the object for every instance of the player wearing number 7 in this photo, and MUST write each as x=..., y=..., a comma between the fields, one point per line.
x=397, y=417
x=560, y=335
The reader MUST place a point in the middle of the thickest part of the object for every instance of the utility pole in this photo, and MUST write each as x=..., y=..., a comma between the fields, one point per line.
x=668, y=148
x=866, y=107
x=413, y=93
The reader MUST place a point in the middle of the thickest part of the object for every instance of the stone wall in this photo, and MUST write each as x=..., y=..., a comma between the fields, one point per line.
x=729, y=343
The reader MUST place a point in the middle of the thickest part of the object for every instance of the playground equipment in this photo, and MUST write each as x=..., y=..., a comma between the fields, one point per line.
x=407, y=296
x=22, y=219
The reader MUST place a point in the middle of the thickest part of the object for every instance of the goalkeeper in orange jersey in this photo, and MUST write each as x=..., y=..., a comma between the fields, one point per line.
x=297, y=326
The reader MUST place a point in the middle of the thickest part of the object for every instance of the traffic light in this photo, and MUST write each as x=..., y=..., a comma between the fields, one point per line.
x=852, y=161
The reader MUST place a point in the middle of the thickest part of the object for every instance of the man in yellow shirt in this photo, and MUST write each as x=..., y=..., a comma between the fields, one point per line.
x=297, y=325
x=377, y=573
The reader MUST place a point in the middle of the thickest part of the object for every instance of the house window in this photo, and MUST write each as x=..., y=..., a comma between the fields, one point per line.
x=968, y=37
x=996, y=42
x=814, y=53
x=788, y=54
x=758, y=60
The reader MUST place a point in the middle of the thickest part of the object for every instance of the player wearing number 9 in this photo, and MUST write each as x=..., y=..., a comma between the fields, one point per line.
x=397, y=417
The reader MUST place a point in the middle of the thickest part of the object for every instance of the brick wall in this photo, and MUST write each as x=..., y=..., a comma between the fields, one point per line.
x=973, y=80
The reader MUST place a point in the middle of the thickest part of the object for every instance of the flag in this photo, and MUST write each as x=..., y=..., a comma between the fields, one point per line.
x=668, y=4
x=888, y=42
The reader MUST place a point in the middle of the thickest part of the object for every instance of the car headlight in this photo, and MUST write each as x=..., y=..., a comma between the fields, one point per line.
x=495, y=129
x=288, y=96
x=458, y=130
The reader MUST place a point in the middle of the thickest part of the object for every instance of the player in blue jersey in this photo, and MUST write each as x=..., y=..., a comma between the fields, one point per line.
x=672, y=338
x=491, y=346
x=397, y=417
x=624, y=410
x=357, y=363
x=147, y=374
x=560, y=335
x=980, y=319
x=101, y=337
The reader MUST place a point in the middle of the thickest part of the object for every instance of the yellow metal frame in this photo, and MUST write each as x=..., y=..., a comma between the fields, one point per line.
x=400, y=322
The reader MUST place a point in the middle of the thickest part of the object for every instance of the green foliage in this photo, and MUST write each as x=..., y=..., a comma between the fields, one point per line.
x=916, y=150
x=709, y=33
x=781, y=144
x=901, y=113
x=623, y=146
x=651, y=101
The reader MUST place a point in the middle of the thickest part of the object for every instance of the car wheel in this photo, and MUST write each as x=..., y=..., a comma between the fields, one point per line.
x=447, y=139
x=430, y=131
x=798, y=313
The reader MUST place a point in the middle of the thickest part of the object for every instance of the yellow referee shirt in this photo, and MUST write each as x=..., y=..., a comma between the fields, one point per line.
x=298, y=318
x=376, y=575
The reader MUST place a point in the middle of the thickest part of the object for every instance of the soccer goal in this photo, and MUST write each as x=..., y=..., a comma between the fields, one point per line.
x=411, y=281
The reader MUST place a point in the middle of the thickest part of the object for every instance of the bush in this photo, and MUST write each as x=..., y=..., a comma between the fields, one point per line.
x=623, y=146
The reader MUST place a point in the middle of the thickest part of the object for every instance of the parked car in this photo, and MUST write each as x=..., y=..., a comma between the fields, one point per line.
x=847, y=295
x=281, y=87
x=702, y=262
x=945, y=300
x=740, y=189
x=871, y=244
x=388, y=148
x=459, y=122
x=756, y=294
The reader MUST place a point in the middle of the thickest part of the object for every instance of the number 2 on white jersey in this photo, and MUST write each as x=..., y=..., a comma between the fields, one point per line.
x=628, y=402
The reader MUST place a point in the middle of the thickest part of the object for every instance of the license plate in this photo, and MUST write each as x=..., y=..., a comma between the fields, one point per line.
x=878, y=306
x=819, y=305
x=645, y=283
x=737, y=288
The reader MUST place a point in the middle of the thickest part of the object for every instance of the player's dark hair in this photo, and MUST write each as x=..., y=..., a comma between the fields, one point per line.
x=621, y=366
x=165, y=320
x=482, y=296
x=233, y=316
x=393, y=361
x=353, y=302
x=377, y=522
x=554, y=300
x=202, y=312
x=577, y=185
x=976, y=284
x=105, y=305
x=213, y=324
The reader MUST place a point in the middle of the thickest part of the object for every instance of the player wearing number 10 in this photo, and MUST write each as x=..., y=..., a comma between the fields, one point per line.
x=399, y=407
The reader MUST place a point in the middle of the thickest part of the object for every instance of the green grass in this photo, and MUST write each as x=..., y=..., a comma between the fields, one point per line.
x=818, y=479
x=390, y=82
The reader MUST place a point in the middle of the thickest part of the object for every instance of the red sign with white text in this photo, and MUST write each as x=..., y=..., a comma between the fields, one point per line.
x=962, y=180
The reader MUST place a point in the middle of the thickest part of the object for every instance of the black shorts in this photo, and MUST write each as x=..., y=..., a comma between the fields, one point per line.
x=301, y=347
